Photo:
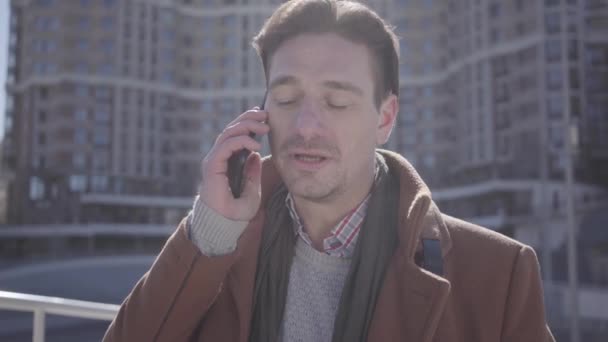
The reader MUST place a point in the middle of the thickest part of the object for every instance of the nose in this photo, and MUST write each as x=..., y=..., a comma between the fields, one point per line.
x=308, y=120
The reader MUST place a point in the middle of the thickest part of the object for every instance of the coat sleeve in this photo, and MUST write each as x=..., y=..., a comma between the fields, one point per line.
x=525, y=310
x=170, y=300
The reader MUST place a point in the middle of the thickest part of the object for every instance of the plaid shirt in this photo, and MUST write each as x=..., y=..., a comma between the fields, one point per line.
x=343, y=238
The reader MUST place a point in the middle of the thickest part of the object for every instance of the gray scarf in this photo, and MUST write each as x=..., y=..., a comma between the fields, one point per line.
x=376, y=244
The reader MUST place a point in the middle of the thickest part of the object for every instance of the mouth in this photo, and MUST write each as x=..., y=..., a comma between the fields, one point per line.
x=309, y=161
x=309, y=158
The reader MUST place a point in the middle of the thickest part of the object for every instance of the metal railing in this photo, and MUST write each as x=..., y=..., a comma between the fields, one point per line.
x=42, y=305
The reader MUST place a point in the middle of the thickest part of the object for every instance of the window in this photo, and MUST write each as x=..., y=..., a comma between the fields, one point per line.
x=553, y=50
x=107, y=23
x=36, y=188
x=167, y=77
x=428, y=115
x=80, y=136
x=428, y=137
x=428, y=161
x=554, y=78
x=45, y=3
x=40, y=68
x=42, y=116
x=556, y=135
x=428, y=48
x=78, y=183
x=231, y=42
x=102, y=93
x=572, y=50
x=80, y=114
x=207, y=106
x=106, y=69
x=101, y=136
x=552, y=22
x=402, y=49
x=83, y=44
x=227, y=106
x=428, y=91
x=100, y=162
x=494, y=10
x=107, y=46
x=82, y=91
x=78, y=160
x=168, y=35
x=208, y=42
x=207, y=64
x=550, y=3
x=41, y=138
x=409, y=116
x=554, y=106
x=99, y=183
x=102, y=115
x=229, y=81
x=187, y=41
x=410, y=138
x=83, y=23
x=229, y=21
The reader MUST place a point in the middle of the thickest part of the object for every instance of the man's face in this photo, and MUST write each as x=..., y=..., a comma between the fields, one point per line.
x=323, y=121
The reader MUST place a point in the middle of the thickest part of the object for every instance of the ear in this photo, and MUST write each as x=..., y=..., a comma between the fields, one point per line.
x=386, y=120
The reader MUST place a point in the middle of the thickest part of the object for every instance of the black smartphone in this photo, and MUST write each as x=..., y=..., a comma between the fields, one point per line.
x=236, y=165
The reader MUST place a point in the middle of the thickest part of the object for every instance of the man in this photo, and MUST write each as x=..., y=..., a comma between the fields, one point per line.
x=332, y=239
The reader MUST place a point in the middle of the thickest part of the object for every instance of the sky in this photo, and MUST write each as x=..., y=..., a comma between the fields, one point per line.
x=4, y=15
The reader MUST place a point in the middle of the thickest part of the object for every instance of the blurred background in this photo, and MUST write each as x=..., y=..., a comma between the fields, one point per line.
x=109, y=106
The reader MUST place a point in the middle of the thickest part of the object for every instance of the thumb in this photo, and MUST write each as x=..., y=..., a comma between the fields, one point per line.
x=253, y=175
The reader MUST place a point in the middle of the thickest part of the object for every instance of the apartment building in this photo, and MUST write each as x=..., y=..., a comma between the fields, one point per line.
x=485, y=86
x=113, y=103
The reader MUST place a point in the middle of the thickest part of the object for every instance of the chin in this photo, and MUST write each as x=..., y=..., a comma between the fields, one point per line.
x=313, y=192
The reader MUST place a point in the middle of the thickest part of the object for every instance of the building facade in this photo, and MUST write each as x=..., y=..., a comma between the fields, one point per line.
x=112, y=103
x=487, y=87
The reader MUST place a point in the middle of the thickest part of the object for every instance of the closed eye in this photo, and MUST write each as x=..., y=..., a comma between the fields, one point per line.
x=285, y=102
x=339, y=107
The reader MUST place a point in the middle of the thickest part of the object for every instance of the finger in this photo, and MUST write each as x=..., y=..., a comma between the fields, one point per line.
x=218, y=158
x=253, y=176
x=252, y=114
x=243, y=128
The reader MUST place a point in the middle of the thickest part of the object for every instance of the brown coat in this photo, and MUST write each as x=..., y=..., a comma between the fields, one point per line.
x=491, y=289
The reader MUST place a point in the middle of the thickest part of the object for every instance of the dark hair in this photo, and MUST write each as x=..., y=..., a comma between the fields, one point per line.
x=351, y=20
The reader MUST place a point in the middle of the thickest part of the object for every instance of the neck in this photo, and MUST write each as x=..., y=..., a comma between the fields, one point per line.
x=320, y=217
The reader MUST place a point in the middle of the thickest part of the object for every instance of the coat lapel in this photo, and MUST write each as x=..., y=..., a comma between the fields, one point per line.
x=409, y=306
x=412, y=299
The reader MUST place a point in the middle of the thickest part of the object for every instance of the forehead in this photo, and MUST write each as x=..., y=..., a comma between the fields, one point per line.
x=317, y=58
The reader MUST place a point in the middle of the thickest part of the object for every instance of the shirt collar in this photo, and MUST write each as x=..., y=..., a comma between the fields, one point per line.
x=343, y=236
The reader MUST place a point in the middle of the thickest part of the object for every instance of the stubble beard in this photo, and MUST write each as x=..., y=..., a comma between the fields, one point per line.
x=314, y=187
x=319, y=186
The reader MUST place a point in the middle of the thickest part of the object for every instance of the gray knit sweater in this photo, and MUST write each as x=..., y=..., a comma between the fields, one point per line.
x=315, y=279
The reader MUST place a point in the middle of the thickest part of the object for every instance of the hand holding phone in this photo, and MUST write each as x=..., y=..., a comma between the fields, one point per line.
x=231, y=170
x=236, y=166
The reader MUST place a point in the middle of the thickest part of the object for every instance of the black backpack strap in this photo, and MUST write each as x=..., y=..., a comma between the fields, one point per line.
x=432, y=260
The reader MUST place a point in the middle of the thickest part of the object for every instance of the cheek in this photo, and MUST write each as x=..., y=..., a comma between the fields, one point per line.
x=279, y=130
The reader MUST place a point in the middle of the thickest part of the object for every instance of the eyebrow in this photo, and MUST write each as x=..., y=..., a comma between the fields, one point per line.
x=337, y=85
x=346, y=86
x=282, y=80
